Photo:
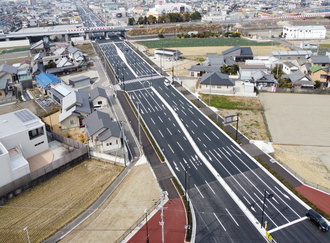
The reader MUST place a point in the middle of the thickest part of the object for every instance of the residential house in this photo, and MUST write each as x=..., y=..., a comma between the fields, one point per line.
x=317, y=73
x=246, y=71
x=300, y=80
x=263, y=80
x=22, y=135
x=99, y=98
x=289, y=67
x=322, y=61
x=24, y=76
x=75, y=54
x=199, y=70
x=300, y=56
x=58, y=91
x=8, y=72
x=39, y=46
x=104, y=133
x=216, y=83
x=80, y=81
x=168, y=54
x=44, y=80
x=74, y=108
x=3, y=88
x=239, y=54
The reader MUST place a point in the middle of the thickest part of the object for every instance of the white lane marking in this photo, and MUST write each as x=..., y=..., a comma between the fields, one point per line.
x=179, y=131
x=184, y=112
x=160, y=133
x=198, y=190
x=174, y=102
x=191, y=111
x=201, y=121
x=176, y=167
x=185, y=161
x=152, y=121
x=181, y=102
x=204, y=145
x=266, y=185
x=210, y=187
x=219, y=222
x=208, y=155
x=232, y=217
x=207, y=136
x=160, y=119
x=169, y=118
x=170, y=148
x=169, y=131
x=167, y=95
x=192, y=132
x=216, y=153
x=182, y=166
x=180, y=146
x=243, y=189
x=288, y=224
x=174, y=125
x=199, y=139
x=226, y=151
x=237, y=150
x=215, y=135
x=194, y=123
x=184, y=138
x=285, y=195
x=193, y=164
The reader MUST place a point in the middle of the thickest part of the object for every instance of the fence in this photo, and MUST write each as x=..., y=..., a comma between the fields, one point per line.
x=137, y=222
x=79, y=154
x=303, y=91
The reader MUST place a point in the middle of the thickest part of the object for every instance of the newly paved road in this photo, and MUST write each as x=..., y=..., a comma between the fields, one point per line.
x=229, y=191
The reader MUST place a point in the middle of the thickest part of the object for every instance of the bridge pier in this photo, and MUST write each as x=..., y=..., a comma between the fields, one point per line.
x=66, y=37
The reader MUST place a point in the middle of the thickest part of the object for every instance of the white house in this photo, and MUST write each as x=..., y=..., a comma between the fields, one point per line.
x=246, y=71
x=22, y=135
x=103, y=132
x=216, y=83
x=99, y=98
x=310, y=32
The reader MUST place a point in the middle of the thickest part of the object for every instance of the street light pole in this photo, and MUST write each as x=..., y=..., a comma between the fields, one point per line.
x=269, y=196
x=27, y=234
x=138, y=106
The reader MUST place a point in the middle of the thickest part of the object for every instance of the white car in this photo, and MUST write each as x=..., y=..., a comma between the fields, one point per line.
x=167, y=82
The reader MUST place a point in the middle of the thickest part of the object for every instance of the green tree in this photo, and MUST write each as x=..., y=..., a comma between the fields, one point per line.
x=195, y=15
x=152, y=19
x=140, y=20
x=277, y=72
x=131, y=21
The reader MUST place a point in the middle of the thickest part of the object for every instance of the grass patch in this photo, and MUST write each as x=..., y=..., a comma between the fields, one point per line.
x=229, y=103
x=174, y=42
x=87, y=48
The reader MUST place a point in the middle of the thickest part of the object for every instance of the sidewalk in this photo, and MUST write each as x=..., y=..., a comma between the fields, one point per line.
x=174, y=225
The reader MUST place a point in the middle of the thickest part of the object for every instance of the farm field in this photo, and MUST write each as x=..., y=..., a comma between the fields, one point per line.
x=51, y=205
x=200, y=42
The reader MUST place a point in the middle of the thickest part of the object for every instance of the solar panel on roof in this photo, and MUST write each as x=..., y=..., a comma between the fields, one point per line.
x=25, y=115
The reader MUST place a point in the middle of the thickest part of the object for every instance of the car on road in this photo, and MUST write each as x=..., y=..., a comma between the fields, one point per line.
x=167, y=82
x=317, y=219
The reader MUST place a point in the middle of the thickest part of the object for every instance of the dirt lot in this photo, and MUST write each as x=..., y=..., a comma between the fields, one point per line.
x=52, y=204
x=139, y=191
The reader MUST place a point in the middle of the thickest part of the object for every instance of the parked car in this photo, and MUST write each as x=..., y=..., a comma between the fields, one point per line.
x=317, y=219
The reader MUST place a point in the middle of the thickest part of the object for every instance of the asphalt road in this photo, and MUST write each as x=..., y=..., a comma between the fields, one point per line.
x=229, y=191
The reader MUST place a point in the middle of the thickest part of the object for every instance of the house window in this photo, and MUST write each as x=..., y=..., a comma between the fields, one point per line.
x=218, y=87
x=38, y=144
x=117, y=141
x=72, y=122
x=36, y=133
x=99, y=102
x=109, y=144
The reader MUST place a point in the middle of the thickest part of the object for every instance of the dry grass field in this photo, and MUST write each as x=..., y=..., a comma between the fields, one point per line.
x=51, y=205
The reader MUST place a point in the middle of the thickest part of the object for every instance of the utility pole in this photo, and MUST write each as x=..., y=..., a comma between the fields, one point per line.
x=147, y=230
x=210, y=89
x=162, y=223
x=138, y=106
x=237, y=118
